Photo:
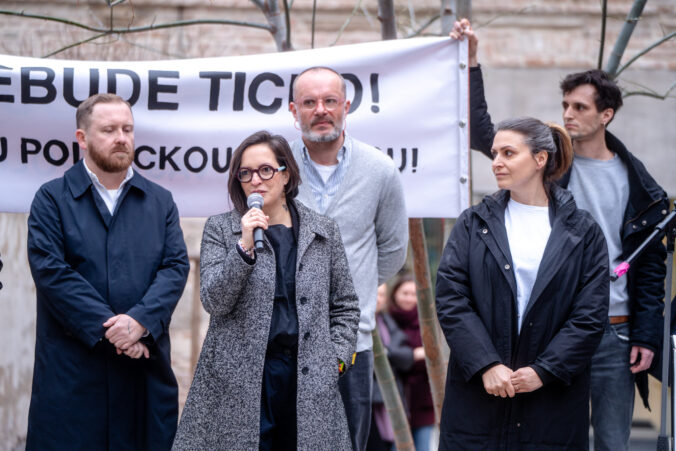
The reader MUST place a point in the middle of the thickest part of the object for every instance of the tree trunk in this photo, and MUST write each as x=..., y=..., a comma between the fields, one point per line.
x=436, y=353
x=388, y=25
x=388, y=388
x=623, y=39
x=278, y=21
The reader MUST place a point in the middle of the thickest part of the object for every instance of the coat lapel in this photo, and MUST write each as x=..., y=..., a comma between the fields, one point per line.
x=309, y=228
x=79, y=183
x=561, y=243
x=495, y=235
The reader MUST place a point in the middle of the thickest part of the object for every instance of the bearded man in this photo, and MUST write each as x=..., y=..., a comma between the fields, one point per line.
x=359, y=187
x=109, y=263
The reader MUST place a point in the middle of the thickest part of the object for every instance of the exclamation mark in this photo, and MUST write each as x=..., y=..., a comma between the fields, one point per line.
x=414, y=159
x=3, y=148
x=375, y=96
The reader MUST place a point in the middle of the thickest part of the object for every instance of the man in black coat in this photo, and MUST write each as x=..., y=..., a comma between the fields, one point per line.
x=109, y=263
x=603, y=177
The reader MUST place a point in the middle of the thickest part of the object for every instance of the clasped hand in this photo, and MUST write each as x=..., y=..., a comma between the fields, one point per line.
x=501, y=381
x=124, y=333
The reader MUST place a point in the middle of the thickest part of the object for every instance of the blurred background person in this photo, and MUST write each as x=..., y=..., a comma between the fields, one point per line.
x=403, y=307
x=400, y=356
x=522, y=298
x=284, y=318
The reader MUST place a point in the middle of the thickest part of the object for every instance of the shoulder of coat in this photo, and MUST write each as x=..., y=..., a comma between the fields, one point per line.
x=315, y=221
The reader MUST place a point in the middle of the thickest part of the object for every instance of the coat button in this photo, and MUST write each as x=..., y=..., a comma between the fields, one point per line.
x=303, y=300
x=644, y=222
x=664, y=212
x=507, y=267
x=530, y=324
x=484, y=231
x=306, y=336
x=305, y=370
x=634, y=227
x=518, y=425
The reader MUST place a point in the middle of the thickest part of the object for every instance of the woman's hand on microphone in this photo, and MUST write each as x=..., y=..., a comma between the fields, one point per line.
x=497, y=381
x=252, y=219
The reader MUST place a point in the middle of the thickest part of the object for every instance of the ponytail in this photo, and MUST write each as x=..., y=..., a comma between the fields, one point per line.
x=562, y=158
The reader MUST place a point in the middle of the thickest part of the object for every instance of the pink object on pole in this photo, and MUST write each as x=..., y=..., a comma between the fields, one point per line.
x=621, y=269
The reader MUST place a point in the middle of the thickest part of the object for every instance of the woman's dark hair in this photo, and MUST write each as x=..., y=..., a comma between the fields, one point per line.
x=608, y=94
x=551, y=138
x=401, y=279
x=280, y=147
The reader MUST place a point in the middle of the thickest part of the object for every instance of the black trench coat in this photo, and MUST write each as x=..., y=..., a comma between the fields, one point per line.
x=89, y=266
x=562, y=327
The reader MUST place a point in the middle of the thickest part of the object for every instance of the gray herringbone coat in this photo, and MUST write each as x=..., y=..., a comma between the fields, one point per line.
x=222, y=411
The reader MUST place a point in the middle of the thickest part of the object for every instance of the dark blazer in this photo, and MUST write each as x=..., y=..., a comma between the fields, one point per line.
x=89, y=266
x=561, y=329
x=223, y=406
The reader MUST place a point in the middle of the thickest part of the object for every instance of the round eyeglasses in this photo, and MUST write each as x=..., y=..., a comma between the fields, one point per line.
x=265, y=172
x=330, y=103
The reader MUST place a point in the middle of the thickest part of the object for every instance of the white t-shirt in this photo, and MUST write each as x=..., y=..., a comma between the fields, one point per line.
x=528, y=231
x=324, y=171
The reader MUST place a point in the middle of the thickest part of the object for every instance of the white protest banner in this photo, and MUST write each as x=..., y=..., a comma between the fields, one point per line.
x=409, y=99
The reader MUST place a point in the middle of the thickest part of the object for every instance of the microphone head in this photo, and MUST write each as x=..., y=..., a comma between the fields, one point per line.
x=255, y=200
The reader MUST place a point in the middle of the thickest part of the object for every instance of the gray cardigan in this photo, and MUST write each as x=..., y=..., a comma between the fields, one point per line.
x=370, y=211
x=223, y=406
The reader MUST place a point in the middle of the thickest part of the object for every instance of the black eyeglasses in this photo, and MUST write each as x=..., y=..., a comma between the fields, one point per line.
x=265, y=172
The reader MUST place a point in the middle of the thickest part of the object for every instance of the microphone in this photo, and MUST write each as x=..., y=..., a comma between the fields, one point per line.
x=255, y=200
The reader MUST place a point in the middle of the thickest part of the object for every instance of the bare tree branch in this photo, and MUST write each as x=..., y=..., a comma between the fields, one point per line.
x=346, y=23
x=287, y=21
x=278, y=26
x=652, y=93
x=387, y=19
x=646, y=91
x=447, y=15
x=314, y=17
x=424, y=26
x=644, y=51
x=76, y=44
x=179, y=23
x=623, y=39
x=604, y=16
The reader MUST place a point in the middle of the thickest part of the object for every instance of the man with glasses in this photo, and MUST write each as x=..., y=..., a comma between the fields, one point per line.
x=358, y=186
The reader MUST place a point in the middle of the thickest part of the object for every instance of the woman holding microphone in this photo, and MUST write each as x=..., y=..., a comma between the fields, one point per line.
x=522, y=298
x=284, y=318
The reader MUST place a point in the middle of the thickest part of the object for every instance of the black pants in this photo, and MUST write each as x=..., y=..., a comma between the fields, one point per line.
x=278, y=404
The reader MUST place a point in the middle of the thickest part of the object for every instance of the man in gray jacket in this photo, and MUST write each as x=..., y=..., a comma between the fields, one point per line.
x=359, y=187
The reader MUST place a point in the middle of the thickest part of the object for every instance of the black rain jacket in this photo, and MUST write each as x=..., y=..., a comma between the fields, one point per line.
x=647, y=206
x=561, y=329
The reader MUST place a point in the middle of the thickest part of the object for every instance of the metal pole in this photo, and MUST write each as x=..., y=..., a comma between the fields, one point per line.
x=663, y=441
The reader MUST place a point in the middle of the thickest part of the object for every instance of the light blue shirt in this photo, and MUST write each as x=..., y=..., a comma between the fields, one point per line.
x=324, y=192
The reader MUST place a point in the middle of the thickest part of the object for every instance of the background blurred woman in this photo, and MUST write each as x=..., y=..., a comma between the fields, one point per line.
x=400, y=357
x=403, y=308
x=522, y=298
x=267, y=377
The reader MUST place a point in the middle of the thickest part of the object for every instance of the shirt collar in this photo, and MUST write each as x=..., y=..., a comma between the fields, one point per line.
x=95, y=179
x=343, y=153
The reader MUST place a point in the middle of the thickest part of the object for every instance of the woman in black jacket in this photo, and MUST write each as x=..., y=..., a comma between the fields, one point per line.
x=522, y=298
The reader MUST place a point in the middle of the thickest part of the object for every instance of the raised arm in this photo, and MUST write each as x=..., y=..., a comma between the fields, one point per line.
x=482, y=130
